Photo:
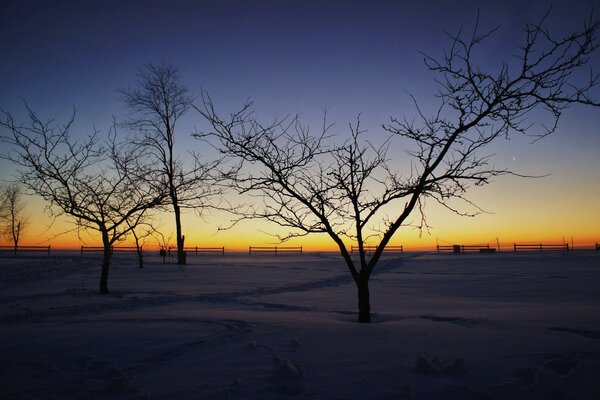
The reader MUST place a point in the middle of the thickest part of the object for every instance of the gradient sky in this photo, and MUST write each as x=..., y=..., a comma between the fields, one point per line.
x=348, y=57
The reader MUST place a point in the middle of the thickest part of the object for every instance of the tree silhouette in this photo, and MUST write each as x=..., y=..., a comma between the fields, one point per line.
x=97, y=183
x=14, y=220
x=349, y=191
x=156, y=105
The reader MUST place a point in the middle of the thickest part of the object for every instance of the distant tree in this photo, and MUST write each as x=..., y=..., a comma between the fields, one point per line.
x=14, y=219
x=141, y=229
x=156, y=105
x=350, y=190
x=3, y=207
x=97, y=183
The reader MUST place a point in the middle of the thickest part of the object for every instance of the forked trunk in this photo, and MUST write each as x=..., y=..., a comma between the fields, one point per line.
x=364, y=304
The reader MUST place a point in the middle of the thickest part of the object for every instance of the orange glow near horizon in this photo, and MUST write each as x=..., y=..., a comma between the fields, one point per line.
x=519, y=210
x=549, y=223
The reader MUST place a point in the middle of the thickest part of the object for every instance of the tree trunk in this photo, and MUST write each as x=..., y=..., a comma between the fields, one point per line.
x=140, y=257
x=180, y=237
x=105, y=263
x=15, y=236
x=364, y=304
x=105, y=268
x=138, y=249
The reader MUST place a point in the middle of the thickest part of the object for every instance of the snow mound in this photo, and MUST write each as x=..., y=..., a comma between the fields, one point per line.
x=436, y=366
x=288, y=376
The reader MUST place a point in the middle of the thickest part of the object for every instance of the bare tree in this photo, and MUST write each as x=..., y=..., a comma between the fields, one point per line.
x=156, y=105
x=141, y=229
x=350, y=191
x=97, y=183
x=14, y=219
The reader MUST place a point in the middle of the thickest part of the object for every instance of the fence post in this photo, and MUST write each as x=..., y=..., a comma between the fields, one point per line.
x=275, y=249
x=515, y=245
x=81, y=250
x=48, y=249
x=300, y=249
x=541, y=247
x=249, y=249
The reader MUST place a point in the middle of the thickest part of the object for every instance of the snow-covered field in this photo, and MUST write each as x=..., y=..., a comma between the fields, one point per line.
x=469, y=326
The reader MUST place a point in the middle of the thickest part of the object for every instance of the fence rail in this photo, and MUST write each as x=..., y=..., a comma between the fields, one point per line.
x=90, y=249
x=197, y=249
x=126, y=249
x=274, y=249
x=368, y=248
x=541, y=247
x=113, y=249
x=25, y=248
x=461, y=248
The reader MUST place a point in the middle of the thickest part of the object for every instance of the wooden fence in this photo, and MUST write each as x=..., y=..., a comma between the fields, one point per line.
x=25, y=248
x=114, y=249
x=126, y=249
x=274, y=249
x=373, y=248
x=90, y=249
x=461, y=248
x=541, y=247
x=197, y=250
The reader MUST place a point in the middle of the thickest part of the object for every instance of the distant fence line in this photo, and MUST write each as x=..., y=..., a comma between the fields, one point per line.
x=25, y=248
x=455, y=248
x=542, y=247
x=399, y=248
x=274, y=249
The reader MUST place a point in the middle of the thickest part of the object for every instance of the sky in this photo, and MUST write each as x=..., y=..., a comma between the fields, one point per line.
x=346, y=57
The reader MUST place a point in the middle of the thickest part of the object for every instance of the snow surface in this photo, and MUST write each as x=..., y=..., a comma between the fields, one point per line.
x=446, y=326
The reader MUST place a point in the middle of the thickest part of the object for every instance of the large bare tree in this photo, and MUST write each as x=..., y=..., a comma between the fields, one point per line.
x=157, y=103
x=98, y=182
x=14, y=219
x=350, y=191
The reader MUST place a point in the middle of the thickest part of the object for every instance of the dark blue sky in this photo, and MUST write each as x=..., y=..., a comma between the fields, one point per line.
x=289, y=56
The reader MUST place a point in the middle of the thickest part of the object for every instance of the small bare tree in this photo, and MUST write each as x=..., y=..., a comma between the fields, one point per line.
x=14, y=220
x=142, y=228
x=98, y=183
x=156, y=105
x=350, y=191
